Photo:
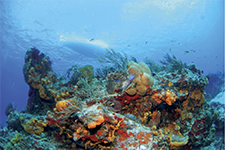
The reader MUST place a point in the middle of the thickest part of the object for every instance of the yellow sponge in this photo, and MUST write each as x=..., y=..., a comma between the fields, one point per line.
x=33, y=125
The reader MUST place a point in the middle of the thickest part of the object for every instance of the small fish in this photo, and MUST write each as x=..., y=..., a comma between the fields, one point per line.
x=170, y=84
x=146, y=42
x=91, y=40
x=75, y=87
x=111, y=104
x=9, y=108
x=128, y=45
x=186, y=51
x=117, y=80
x=128, y=82
x=58, y=88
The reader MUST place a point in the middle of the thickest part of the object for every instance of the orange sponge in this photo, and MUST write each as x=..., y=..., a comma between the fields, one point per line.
x=100, y=120
x=61, y=105
x=93, y=124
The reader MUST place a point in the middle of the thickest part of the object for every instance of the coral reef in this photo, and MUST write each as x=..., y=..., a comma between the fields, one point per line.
x=117, y=109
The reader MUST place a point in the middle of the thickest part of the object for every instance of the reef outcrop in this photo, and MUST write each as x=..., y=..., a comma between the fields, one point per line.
x=129, y=109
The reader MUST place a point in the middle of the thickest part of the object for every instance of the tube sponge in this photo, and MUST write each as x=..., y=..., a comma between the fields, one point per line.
x=146, y=79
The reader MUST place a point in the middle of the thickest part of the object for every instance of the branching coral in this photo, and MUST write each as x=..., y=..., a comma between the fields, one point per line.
x=89, y=90
x=118, y=60
x=173, y=62
x=155, y=68
x=104, y=71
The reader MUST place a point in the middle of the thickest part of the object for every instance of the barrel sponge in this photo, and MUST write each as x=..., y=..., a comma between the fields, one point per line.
x=137, y=69
x=146, y=79
x=131, y=91
x=142, y=72
x=135, y=64
x=134, y=68
x=145, y=68
x=141, y=89
x=143, y=78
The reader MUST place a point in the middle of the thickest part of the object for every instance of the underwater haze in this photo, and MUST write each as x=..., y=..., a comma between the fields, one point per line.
x=79, y=32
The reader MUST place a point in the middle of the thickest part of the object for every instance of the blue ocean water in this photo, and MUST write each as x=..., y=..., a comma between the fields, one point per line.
x=73, y=31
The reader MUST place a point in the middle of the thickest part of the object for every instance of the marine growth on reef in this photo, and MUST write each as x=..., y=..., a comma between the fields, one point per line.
x=136, y=105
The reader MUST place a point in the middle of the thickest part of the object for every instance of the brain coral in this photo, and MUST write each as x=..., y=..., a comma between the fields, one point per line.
x=142, y=80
